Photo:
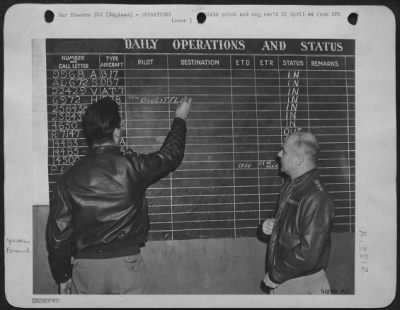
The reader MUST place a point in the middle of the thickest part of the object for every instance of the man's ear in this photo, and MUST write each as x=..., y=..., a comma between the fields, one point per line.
x=117, y=135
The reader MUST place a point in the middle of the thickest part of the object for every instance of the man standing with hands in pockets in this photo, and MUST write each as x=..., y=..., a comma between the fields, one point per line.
x=299, y=245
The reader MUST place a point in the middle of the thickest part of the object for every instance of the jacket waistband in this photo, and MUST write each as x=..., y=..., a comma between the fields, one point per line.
x=101, y=251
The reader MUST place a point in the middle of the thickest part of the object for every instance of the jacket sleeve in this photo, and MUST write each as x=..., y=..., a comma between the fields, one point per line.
x=154, y=166
x=315, y=226
x=59, y=232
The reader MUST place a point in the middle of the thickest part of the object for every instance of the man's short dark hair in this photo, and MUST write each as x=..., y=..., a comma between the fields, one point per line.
x=100, y=120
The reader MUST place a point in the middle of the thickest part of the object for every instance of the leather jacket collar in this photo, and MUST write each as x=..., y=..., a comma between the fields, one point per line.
x=103, y=148
x=304, y=177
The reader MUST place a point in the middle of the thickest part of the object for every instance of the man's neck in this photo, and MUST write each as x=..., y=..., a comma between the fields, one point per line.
x=301, y=171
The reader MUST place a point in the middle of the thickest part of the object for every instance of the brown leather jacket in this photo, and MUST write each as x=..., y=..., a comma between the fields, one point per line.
x=99, y=209
x=300, y=242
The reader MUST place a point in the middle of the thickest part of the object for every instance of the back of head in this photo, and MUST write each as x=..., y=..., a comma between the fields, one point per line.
x=100, y=120
x=307, y=143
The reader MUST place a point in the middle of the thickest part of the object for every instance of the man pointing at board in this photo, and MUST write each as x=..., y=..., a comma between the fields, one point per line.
x=299, y=245
x=98, y=215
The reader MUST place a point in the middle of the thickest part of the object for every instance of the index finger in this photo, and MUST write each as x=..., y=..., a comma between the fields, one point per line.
x=187, y=99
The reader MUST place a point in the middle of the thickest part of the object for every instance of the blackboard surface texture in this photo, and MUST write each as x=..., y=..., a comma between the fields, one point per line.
x=248, y=94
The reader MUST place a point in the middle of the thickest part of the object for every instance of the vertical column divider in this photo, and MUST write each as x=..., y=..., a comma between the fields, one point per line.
x=308, y=97
x=348, y=139
x=126, y=106
x=170, y=175
x=99, y=79
x=280, y=99
x=233, y=152
x=258, y=139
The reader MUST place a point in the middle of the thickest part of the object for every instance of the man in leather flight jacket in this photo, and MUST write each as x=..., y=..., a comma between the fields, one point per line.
x=98, y=214
x=299, y=245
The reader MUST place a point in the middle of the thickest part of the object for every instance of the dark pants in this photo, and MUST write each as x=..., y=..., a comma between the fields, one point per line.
x=120, y=275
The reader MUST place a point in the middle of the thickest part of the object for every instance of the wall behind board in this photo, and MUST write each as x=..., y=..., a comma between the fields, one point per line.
x=202, y=266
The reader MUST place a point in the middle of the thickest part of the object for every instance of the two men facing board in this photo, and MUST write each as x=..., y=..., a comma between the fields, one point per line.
x=99, y=216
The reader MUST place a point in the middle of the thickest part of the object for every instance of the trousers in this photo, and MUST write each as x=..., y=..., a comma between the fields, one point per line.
x=119, y=275
x=316, y=283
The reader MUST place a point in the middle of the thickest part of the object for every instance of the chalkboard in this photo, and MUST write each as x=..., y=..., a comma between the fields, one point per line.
x=248, y=94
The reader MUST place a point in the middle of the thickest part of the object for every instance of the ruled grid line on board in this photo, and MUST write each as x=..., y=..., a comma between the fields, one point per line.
x=236, y=119
x=132, y=77
x=126, y=110
x=226, y=95
x=218, y=211
x=233, y=151
x=247, y=169
x=216, y=78
x=171, y=174
x=221, y=119
x=348, y=145
x=193, y=54
x=223, y=111
x=280, y=105
x=258, y=139
x=198, y=153
x=273, y=169
x=198, y=211
x=215, y=136
x=272, y=103
x=226, y=203
x=228, y=178
x=223, y=228
x=99, y=72
x=220, y=86
x=248, y=95
x=308, y=96
x=213, y=187
x=215, y=119
x=220, y=143
x=237, y=186
x=225, y=127
x=229, y=161
x=215, y=103
x=254, y=219
x=211, y=195
x=223, y=195
x=203, y=212
x=221, y=70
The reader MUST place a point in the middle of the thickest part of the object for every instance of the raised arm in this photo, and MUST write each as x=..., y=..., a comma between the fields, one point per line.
x=154, y=166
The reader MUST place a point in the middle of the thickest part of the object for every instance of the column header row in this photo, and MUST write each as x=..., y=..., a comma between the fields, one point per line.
x=114, y=62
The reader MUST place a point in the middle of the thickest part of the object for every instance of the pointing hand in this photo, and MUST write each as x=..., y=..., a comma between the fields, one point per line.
x=183, y=109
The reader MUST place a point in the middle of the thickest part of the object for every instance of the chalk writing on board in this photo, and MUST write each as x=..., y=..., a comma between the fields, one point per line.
x=157, y=99
x=248, y=95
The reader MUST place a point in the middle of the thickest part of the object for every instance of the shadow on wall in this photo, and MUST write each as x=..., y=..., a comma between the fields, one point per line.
x=202, y=266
